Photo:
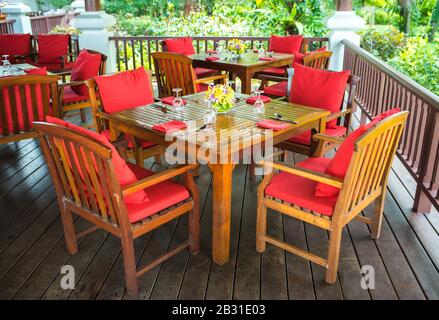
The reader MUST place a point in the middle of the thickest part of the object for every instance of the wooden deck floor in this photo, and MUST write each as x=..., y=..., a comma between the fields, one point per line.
x=32, y=251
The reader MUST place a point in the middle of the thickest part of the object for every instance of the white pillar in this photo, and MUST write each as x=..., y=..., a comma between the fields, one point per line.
x=343, y=25
x=78, y=5
x=17, y=10
x=94, y=34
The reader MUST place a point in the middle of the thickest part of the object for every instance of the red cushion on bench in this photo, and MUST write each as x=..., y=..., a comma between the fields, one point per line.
x=15, y=44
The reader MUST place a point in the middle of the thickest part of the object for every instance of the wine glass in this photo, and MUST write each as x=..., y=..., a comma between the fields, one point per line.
x=209, y=115
x=259, y=104
x=177, y=103
x=261, y=51
x=6, y=65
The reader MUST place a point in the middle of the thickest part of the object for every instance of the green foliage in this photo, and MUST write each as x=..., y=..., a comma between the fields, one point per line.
x=155, y=8
x=383, y=44
x=419, y=61
x=60, y=3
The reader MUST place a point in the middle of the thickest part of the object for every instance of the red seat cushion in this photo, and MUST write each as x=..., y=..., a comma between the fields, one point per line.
x=125, y=90
x=15, y=44
x=285, y=44
x=274, y=71
x=161, y=196
x=300, y=191
x=201, y=87
x=278, y=89
x=383, y=116
x=71, y=96
x=86, y=67
x=319, y=88
x=339, y=164
x=180, y=45
x=54, y=67
x=203, y=72
x=124, y=174
x=305, y=137
x=51, y=47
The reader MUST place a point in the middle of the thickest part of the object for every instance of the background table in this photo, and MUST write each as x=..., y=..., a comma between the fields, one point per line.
x=244, y=67
x=139, y=121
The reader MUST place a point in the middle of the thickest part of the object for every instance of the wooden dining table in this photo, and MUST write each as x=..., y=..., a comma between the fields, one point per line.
x=139, y=121
x=244, y=67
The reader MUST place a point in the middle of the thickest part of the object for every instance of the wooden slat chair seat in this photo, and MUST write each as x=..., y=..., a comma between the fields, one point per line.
x=365, y=182
x=24, y=99
x=303, y=143
x=87, y=185
x=71, y=100
x=175, y=71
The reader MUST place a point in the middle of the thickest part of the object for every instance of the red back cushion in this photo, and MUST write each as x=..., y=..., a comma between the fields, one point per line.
x=124, y=174
x=339, y=165
x=125, y=90
x=15, y=44
x=86, y=67
x=383, y=116
x=31, y=116
x=285, y=44
x=51, y=47
x=180, y=45
x=319, y=88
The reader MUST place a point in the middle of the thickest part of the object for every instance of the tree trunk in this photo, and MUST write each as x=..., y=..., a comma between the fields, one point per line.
x=406, y=9
x=434, y=21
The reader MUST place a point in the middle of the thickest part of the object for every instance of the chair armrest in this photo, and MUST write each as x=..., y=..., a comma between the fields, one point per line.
x=268, y=77
x=328, y=138
x=212, y=78
x=70, y=84
x=157, y=178
x=306, y=173
x=337, y=115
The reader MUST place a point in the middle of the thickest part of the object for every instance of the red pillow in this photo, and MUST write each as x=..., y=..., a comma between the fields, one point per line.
x=86, y=67
x=319, y=88
x=383, y=116
x=180, y=45
x=124, y=174
x=125, y=90
x=298, y=56
x=51, y=47
x=338, y=166
x=15, y=44
x=285, y=44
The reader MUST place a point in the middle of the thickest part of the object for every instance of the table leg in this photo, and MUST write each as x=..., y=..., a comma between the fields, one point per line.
x=222, y=198
x=246, y=83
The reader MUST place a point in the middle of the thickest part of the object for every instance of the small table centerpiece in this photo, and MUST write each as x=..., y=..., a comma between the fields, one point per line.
x=236, y=47
x=221, y=97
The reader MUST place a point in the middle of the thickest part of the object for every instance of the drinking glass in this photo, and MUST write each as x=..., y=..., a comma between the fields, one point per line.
x=209, y=115
x=261, y=51
x=6, y=65
x=259, y=104
x=178, y=101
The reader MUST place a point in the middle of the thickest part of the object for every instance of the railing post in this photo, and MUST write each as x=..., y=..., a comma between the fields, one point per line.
x=17, y=10
x=343, y=25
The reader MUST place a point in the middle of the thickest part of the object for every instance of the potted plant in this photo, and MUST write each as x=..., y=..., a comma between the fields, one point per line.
x=236, y=47
x=221, y=97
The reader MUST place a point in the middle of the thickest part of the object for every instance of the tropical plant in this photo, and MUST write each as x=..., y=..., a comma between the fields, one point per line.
x=383, y=44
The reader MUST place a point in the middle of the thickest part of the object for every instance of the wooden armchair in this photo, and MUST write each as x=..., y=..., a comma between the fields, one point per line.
x=365, y=182
x=25, y=99
x=343, y=117
x=71, y=100
x=175, y=71
x=86, y=184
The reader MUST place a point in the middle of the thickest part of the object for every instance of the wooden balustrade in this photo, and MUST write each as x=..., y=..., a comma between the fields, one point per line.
x=7, y=26
x=382, y=88
x=45, y=24
x=132, y=52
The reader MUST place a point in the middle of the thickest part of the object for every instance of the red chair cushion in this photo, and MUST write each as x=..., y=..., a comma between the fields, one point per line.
x=86, y=67
x=203, y=72
x=201, y=87
x=285, y=44
x=15, y=44
x=161, y=196
x=180, y=45
x=28, y=101
x=383, y=116
x=300, y=191
x=51, y=47
x=278, y=89
x=319, y=88
x=124, y=174
x=55, y=67
x=305, y=137
x=125, y=90
x=339, y=164
x=71, y=96
x=274, y=71
x=298, y=57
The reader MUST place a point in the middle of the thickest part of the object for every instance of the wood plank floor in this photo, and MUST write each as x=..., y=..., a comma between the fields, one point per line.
x=32, y=251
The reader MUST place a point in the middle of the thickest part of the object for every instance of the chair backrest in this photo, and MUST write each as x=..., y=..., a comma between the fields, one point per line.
x=317, y=60
x=349, y=100
x=370, y=165
x=83, y=174
x=174, y=71
x=24, y=99
x=73, y=49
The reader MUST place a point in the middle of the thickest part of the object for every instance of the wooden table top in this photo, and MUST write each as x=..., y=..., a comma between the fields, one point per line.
x=247, y=60
x=142, y=119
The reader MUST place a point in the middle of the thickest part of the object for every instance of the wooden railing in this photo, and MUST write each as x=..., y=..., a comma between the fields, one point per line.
x=7, y=26
x=382, y=88
x=132, y=52
x=44, y=24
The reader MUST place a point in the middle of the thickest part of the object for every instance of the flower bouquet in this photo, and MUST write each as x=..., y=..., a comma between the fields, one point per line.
x=236, y=47
x=222, y=97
